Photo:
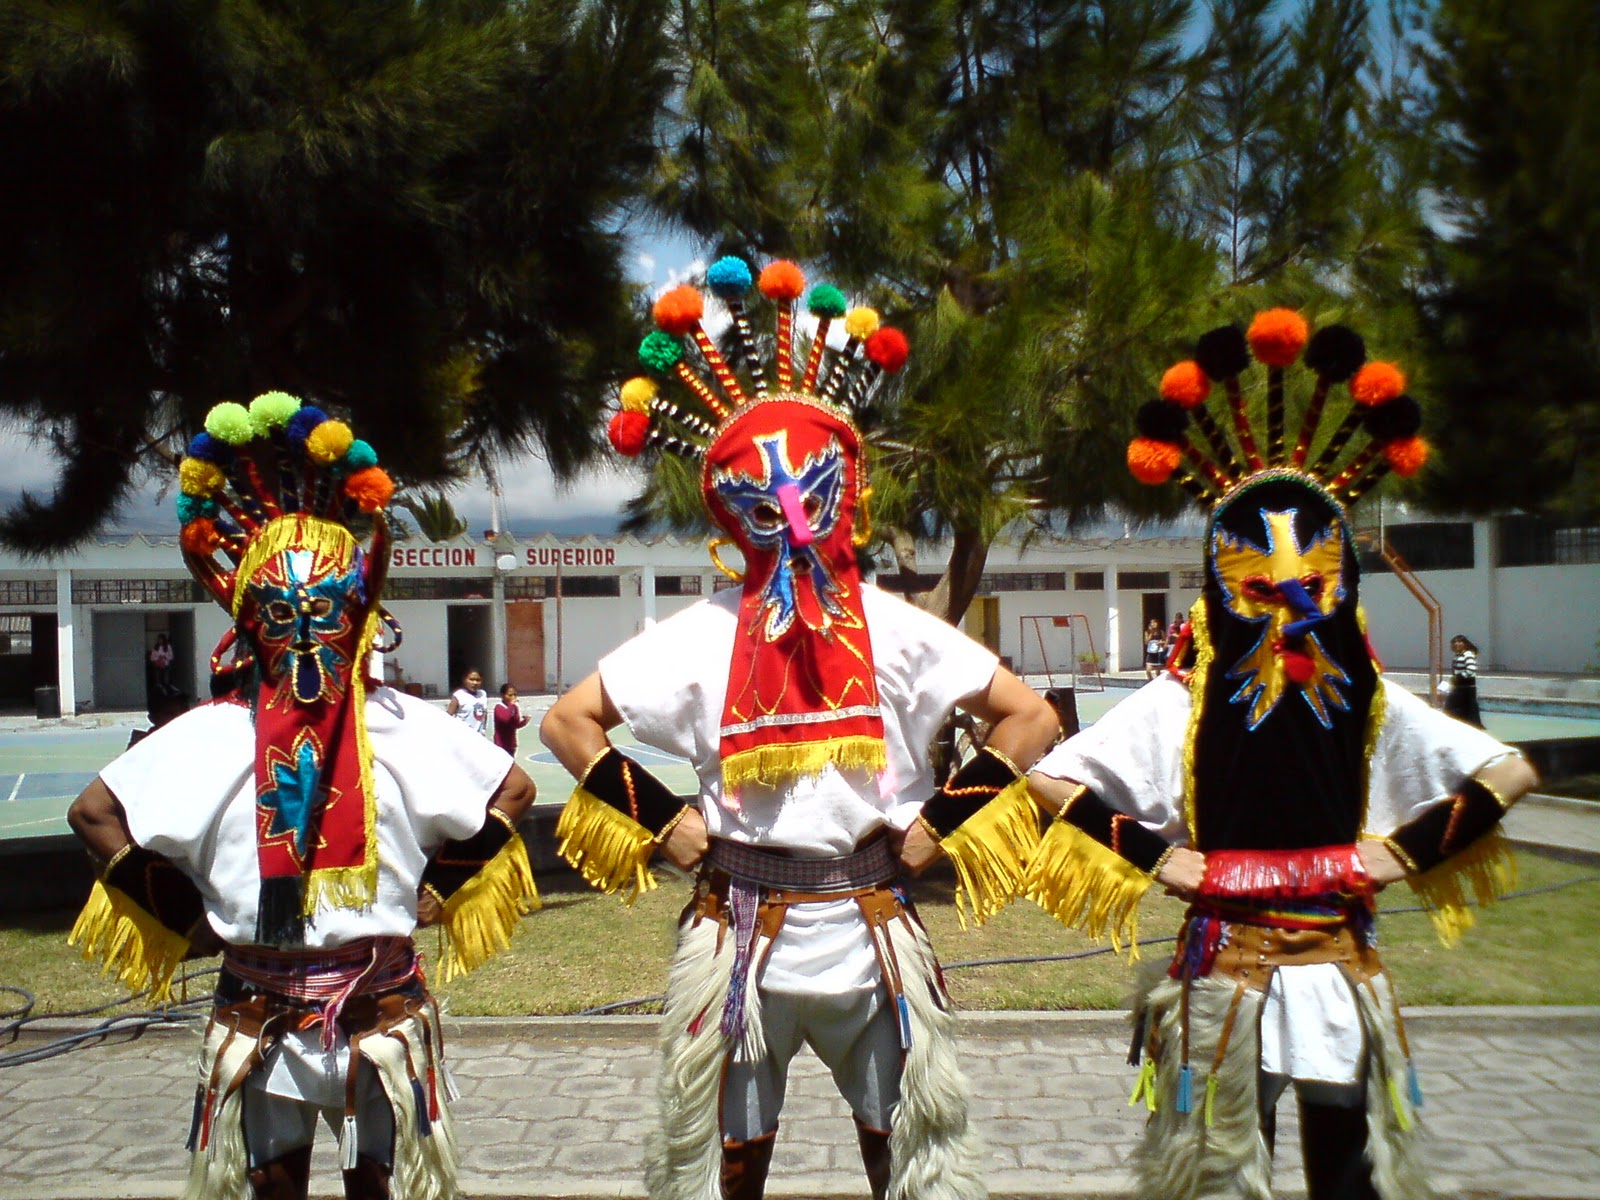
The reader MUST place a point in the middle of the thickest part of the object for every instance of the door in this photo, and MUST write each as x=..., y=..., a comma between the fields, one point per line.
x=525, y=645
x=119, y=660
x=983, y=621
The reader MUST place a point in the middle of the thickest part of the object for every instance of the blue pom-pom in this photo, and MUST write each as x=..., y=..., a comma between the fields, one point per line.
x=1185, y=1089
x=191, y=508
x=729, y=277
x=209, y=449
x=302, y=423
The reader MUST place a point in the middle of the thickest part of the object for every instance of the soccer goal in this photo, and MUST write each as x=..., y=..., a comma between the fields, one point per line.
x=1061, y=649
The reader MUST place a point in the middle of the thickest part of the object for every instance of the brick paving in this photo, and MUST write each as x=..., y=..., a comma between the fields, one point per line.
x=556, y=1107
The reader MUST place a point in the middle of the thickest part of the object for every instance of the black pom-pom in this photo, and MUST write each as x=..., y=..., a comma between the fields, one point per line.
x=1400, y=418
x=1223, y=352
x=1335, y=352
x=1162, y=421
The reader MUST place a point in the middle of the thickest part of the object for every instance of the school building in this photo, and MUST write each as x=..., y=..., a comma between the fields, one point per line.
x=541, y=611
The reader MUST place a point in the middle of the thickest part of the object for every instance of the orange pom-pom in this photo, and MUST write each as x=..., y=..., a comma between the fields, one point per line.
x=1406, y=455
x=370, y=489
x=1185, y=384
x=200, y=537
x=1277, y=336
x=628, y=432
x=1377, y=383
x=680, y=310
x=1151, y=461
x=782, y=281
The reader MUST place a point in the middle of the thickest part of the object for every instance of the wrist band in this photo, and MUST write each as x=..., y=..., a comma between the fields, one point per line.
x=630, y=789
x=666, y=830
x=983, y=778
x=459, y=859
x=1448, y=827
x=156, y=885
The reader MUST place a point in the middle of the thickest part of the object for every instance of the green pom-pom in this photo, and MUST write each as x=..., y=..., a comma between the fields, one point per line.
x=359, y=457
x=231, y=423
x=826, y=300
x=272, y=410
x=660, y=351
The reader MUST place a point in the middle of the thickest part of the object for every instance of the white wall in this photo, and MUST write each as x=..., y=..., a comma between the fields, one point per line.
x=1546, y=618
x=422, y=653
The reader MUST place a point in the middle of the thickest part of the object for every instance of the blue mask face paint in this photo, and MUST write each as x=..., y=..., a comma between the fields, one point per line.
x=305, y=615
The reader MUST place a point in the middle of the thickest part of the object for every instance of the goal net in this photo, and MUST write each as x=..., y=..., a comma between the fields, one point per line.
x=1061, y=650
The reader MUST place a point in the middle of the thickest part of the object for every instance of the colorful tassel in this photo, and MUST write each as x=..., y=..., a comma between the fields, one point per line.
x=348, y=1144
x=1413, y=1084
x=420, y=1100
x=1185, y=1089
x=1211, y=1098
x=990, y=852
x=1144, y=1088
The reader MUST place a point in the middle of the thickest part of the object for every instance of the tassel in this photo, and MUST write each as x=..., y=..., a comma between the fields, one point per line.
x=1402, y=1114
x=1413, y=1084
x=1484, y=872
x=194, y=1120
x=990, y=852
x=772, y=765
x=905, y=1021
x=481, y=917
x=1087, y=886
x=451, y=1091
x=1185, y=1089
x=128, y=941
x=608, y=848
x=424, y=1125
x=1211, y=1098
x=1144, y=1088
x=348, y=1147
x=1136, y=1046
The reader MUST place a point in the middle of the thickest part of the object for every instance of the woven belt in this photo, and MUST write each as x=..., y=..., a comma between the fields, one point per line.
x=325, y=981
x=871, y=865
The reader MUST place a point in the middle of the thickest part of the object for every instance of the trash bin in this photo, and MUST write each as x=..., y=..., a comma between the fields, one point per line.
x=46, y=703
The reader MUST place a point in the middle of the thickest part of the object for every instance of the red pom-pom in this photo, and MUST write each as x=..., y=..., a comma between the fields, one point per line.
x=888, y=348
x=1277, y=336
x=782, y=281
x=1185, y=384
x=628, y=431
x=1297, y=664
x=1151, y=461
x=679, y=310
x=200, y=537
x=1406, y=455
x=370, y=489
x=1377, y=383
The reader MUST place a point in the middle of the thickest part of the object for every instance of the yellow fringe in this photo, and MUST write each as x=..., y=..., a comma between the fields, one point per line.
x=772, y=765
x=990, y=852
x=1484, y=871
x=611, y=851
x=127, y=940
x=481, y=917
x=298, y=531
x=1087, y=887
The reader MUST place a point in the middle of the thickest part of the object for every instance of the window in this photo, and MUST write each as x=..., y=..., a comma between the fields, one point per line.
x=1193, y=579
x=1538, y=541
x=1024, y=581
x=424, y=588
x=589, y=585
x=1443, y=546
x=529, y=587
x=1088, y=581
x=677, y=585
x=40, y=592
x=137, y=591
x=1143, y=581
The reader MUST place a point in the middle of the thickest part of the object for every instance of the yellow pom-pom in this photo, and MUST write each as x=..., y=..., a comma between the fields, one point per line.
x=196, y=477
x=637, y=394
x=862, y=323
x=328, y=442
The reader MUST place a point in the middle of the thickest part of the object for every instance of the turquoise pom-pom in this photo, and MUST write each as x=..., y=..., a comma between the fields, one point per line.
x=660, y=351
x=729, y=277
x=231, y=423
x=192, y=508
x=359, y=457
x=826, y=300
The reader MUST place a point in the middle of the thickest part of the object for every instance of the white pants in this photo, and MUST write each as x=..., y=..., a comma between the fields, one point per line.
x=856, y=1036
x=274, y=1125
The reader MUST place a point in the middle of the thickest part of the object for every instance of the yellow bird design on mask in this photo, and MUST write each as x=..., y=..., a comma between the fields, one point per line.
x=1288, y=589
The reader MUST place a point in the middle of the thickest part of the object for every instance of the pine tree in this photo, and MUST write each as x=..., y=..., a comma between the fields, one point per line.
x=408, y=211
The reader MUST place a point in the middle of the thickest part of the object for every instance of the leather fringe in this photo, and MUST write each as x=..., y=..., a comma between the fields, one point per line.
x=481, y=917
x=125, y=939
x=610, y=850
x=1483, y=872
x=1087, y=886
x=990, y=852
x=772, y=765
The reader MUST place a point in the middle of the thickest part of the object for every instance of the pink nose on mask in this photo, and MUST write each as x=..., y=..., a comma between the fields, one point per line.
x=799, y=527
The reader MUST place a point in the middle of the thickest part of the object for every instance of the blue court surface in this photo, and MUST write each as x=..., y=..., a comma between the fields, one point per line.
x=43, y=767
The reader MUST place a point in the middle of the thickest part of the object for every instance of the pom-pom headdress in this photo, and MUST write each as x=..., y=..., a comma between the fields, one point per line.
x=286, y=495
x=782, y=476
x=1277, y=339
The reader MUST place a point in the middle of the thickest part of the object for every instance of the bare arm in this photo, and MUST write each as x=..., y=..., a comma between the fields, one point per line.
x=97, y=818
x=576, y=731
x=1179, y=870
x=454, y=706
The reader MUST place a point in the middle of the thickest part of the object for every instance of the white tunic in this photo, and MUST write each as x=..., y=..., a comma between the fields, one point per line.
x=189, y=793
x=670, y=683
x=1133, y=758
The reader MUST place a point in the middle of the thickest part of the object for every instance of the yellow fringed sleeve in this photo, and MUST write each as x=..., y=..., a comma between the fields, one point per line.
x=611, y=851
x=1087, y=886
x=481, y=916
x=1483, y=872
x=127, y=940
x=990, y=852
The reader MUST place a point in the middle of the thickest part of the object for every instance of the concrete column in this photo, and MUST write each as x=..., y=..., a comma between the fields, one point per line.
x=66, y=665
x=1485, y=550
x=647, y=594
x=1113, y=648
x=497, y=633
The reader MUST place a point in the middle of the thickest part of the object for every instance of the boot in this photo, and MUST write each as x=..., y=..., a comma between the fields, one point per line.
x=286, y=1177
x=367, y=1180
x=744, y=1167
x=1333, y=1141
x=875, y=1157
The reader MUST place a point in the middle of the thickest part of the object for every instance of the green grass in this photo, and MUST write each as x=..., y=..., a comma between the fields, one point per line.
x=584, y=950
